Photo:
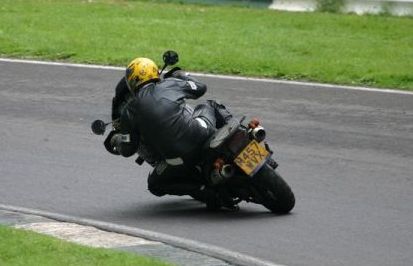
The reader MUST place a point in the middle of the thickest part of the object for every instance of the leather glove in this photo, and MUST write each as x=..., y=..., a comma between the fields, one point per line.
x=115, y=140
x=176, y=72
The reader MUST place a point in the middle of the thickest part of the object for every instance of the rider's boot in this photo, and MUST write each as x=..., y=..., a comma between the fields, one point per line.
x=199, y=195
x=217, y=198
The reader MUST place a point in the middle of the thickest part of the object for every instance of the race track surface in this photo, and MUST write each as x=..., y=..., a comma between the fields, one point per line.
x=348, y=156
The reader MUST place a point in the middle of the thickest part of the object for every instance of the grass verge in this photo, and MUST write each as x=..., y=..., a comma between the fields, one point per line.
x=334, y=48
x=19, y=247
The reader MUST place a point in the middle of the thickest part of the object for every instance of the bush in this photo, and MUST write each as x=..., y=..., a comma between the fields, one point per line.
x=332, y=6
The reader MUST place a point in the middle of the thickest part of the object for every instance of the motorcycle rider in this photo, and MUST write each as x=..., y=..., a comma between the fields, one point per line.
x=152, y=119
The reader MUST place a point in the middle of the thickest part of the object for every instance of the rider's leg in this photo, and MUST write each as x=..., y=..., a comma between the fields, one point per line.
x=172, y=180
x=206, y=113
x=221, y=113
x=213, y=112
x=176, y=180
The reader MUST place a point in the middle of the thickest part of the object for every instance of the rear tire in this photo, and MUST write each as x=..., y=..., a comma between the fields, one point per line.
x=276, y=194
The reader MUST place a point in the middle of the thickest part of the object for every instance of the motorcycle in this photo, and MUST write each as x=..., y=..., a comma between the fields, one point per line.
x=238, y=157
x=237, y=160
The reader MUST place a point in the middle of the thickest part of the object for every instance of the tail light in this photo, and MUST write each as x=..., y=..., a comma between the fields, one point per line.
x=254, y=123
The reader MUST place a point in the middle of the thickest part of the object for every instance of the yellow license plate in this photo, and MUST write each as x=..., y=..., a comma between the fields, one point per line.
x=252, y=158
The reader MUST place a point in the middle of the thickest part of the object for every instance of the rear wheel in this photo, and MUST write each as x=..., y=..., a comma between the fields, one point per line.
x=276, y=195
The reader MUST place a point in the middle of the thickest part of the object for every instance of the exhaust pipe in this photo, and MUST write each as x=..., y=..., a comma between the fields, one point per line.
x=227, y=171
x=258, y=133
x=219, y=176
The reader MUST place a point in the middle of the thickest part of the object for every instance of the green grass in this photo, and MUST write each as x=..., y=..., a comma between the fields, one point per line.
x=18, y=247
x=236, y=3
x=334, y=48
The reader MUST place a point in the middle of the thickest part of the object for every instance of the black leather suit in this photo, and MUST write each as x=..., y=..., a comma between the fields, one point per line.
x=157, y=120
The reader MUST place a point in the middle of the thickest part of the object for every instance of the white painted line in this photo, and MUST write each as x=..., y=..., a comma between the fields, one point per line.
x=85, y=235
x=227, y=77
x=48, y=63
x=306, y=84
x=195, y=246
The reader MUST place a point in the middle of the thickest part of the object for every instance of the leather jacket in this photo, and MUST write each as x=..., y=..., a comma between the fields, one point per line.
x=158, y=117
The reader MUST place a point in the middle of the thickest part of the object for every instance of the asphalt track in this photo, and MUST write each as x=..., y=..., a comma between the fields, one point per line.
x=347, y=154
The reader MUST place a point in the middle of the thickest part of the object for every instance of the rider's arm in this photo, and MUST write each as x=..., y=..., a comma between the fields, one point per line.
x=120, y=99
x=118, y=102
x=192, y=88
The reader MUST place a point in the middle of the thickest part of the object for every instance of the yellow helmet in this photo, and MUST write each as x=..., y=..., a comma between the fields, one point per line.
x=139, y=71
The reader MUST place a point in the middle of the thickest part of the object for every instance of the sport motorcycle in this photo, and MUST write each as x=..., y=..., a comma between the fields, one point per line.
x=236, y=164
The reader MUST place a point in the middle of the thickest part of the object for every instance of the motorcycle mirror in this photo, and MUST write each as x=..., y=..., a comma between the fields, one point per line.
x=98, y=127
x=170, y=58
